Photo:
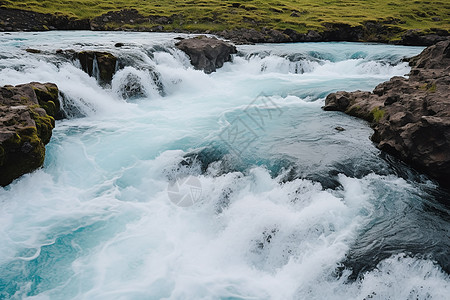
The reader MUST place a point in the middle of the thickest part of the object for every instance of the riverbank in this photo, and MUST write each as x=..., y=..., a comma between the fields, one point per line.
x=410, y=116
x=277, y=22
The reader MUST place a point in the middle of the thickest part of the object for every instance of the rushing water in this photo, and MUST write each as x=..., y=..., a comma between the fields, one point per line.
x=170, y=183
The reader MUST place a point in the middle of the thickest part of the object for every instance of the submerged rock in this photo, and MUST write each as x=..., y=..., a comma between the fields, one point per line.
x=99, y=64
x=410, y=116
x=27, y=114
x=206, y=53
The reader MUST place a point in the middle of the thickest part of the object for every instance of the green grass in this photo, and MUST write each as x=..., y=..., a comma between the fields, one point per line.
x=300, y=15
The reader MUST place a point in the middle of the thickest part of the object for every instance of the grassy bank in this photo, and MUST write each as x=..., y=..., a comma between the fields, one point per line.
x=300, y=15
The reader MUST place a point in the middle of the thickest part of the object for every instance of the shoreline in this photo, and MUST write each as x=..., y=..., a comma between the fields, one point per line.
x=16, y=20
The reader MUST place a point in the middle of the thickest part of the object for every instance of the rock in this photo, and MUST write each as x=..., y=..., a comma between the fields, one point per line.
x=342, y=32
x=410, y=116
x=25, y=127
x=206, y=53
x=250, y=36
x=102, y=65
x=381, y=31
x=22, y=20
x=110, y=19
x=418, y=38
x=34, y=51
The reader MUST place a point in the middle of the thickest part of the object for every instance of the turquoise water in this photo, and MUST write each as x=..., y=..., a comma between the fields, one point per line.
x=234, y=185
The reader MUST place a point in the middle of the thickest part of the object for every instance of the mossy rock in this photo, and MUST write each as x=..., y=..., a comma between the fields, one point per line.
x=26, y=155
x=25, y=127
x=44, y=126
x=48, y=97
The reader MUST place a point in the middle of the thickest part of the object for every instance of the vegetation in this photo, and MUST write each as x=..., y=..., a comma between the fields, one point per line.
x=300, y=15
x=377, y=114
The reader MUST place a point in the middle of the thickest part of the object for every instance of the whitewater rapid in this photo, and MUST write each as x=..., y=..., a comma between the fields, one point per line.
x=277, y=203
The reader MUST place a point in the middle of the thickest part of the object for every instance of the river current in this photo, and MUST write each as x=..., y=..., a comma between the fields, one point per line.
x=170, y=183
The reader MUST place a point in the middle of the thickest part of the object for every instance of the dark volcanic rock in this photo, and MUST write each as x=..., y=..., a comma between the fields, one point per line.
x=111, y=19
x=99, y=64
x=369, y=31
x=410, y=116
x=22, y=20
x=342, y=32
x=417, y=38
x=26, y=121
x=206, y=53
x=246, y=36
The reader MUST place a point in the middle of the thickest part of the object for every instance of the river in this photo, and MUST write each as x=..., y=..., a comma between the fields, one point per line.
x=170, y=183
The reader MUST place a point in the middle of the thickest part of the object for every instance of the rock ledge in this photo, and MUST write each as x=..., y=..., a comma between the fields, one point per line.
x=410, y=116
x=27, y=118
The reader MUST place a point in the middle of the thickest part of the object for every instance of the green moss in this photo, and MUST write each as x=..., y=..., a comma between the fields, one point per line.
x=50, y=108
x=377, y=114
x=26, y=153
x=423, y=87
x=44, y=126
x=48, y=99
x=429, y=87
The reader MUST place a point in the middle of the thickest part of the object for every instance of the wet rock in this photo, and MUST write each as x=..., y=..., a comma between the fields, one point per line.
x=25, y=127
x=34, y=51
x=206, y=53
x=99, y=64
x=410, y=116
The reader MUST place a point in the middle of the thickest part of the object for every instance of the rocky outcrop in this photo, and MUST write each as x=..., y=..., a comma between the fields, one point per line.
x=418, y=38
x=410, y=116
x=22, y=20
x=99, y=64
x=118, y=20
x=381, y=31
x=27, y=114
x=265, y=35
x=369, y=31
x=206, y=53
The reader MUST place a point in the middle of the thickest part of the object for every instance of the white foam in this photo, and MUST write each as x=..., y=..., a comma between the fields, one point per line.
x=97, y=222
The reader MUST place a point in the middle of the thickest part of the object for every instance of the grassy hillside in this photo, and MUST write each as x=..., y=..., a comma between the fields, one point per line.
x=300, y=15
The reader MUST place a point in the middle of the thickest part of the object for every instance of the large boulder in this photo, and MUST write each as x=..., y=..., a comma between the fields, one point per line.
x=27, y=114
x=410, y=116
x=207, y=53
x=102, y=65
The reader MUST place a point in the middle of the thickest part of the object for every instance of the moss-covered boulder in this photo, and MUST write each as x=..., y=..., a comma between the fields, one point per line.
x=101, y=65
x=27, y=114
